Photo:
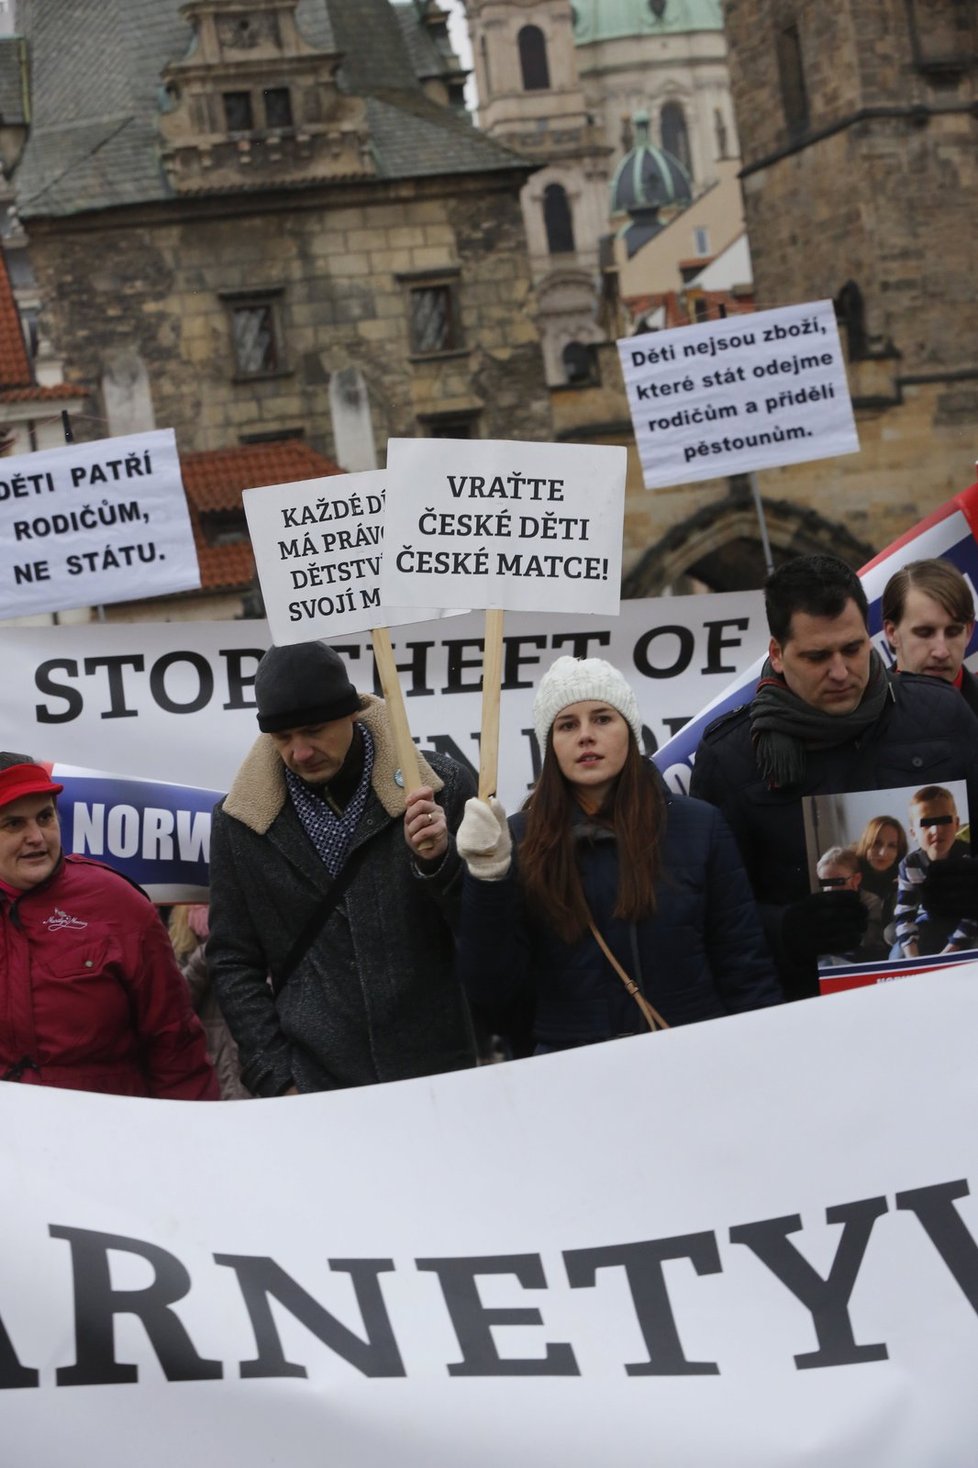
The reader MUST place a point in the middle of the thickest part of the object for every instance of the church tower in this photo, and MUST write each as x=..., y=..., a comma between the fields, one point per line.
x=530, y=98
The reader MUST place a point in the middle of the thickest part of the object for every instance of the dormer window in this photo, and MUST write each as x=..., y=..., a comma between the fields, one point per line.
x=278, y=108
x=238, y=113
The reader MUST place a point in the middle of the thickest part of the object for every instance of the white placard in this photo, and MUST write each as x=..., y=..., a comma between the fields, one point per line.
x=496, y=523
x=175, y=700
x=93, y=523
x=318, y=547
x=746, y=1243
x=748, y=392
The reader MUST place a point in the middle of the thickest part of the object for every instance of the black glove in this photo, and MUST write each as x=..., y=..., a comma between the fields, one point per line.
x=824, y=922
x=950, y=888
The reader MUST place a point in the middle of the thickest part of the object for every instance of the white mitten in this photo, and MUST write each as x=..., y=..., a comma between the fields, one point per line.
x=483, y=839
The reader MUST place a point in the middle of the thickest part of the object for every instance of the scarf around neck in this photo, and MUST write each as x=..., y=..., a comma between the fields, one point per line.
x=784, y=727
x=330, y=833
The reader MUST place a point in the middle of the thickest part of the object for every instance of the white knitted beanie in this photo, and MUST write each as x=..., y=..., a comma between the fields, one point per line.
x=576, y=680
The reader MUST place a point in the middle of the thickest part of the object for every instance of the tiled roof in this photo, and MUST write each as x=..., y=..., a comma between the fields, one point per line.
x=223, y=567
x=214, y=480
x=17, y=383
x=38, y=394
x=95, y=100
x=15, y=366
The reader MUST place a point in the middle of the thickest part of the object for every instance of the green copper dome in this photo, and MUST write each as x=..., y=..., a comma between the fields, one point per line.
x=646, y=180
x=648, y=177
x=607, y=20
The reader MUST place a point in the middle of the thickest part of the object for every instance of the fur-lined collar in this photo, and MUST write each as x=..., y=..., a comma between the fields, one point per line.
x=259, y=791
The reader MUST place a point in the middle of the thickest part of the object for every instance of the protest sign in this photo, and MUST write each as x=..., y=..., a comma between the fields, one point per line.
x=525, y=526
x=93, y=523
x=951, y=532
x=512, y=525
x=318, y=552
x=318, y=547
x=743, y=393
x=485, y=1267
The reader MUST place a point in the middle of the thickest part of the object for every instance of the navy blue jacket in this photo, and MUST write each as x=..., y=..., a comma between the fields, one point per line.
x=701, y=955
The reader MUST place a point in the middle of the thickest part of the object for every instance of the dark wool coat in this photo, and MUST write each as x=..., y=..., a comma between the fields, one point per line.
x=374, y=998
x=926, y=734
x=701, y=955
x=969, y=689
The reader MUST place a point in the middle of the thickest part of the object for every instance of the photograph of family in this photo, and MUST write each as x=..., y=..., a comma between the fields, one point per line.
x=897, y=849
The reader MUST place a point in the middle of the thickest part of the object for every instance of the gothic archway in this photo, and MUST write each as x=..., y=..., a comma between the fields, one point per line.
x=720, y=546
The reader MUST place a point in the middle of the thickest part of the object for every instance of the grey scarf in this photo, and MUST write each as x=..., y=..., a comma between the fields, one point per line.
x=784, y=727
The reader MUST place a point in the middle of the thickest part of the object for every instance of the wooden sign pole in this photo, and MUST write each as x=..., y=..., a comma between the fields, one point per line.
x=492, y=677
x=407, y=754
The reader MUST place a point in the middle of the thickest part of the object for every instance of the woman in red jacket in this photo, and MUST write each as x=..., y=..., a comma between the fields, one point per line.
x=90, y=995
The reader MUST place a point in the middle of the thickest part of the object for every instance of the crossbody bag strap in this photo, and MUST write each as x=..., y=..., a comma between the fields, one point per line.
x=313, y=927
x=652, y=1016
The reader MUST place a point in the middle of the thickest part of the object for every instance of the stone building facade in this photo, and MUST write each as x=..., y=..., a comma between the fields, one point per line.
x=858, y=124
x=563, y=84
x=251, y=219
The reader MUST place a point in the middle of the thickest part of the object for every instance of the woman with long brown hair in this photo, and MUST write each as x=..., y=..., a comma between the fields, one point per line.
x=881, y=848
x=605, y=885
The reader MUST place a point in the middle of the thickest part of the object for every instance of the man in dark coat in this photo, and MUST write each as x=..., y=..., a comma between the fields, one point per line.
x=333, y=891
x=825, y=720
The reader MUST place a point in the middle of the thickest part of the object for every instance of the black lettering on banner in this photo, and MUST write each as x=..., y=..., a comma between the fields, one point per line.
x=642, y=1263
x=238, y=681
x=32, y=571
x=472, y=1321
x=417, y=668
x=97, y=1304
x=260, y=1278
x=205, y=682
x=716, y=642
x=827, y=1300
x=458, y=663
x=445, y=744
x=580, y=642
x=947, y=1231
x=514, y=660
x=117, y=694
x=44, y=683
x=14, y=1376
x=684, y=655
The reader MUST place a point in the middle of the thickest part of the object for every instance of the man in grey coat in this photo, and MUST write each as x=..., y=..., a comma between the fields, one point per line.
x=333, y=892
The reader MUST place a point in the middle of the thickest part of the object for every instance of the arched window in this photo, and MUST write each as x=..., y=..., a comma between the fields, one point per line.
x=675, y=137
x=558, y=221
x=791, y=71
x=580, y=368
x=484, y=53
x=533, y=59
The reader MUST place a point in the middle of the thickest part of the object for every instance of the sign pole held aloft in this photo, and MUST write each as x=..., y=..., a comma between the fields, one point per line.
x=492, y=678
x=407, y=754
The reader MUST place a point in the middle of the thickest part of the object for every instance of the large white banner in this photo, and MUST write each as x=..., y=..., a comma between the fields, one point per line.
x=747, y=392
x=92, y=523
x=744, y=1244
x=175, y=701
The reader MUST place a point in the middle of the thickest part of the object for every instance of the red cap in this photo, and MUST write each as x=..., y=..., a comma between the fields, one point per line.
x=17, y=781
